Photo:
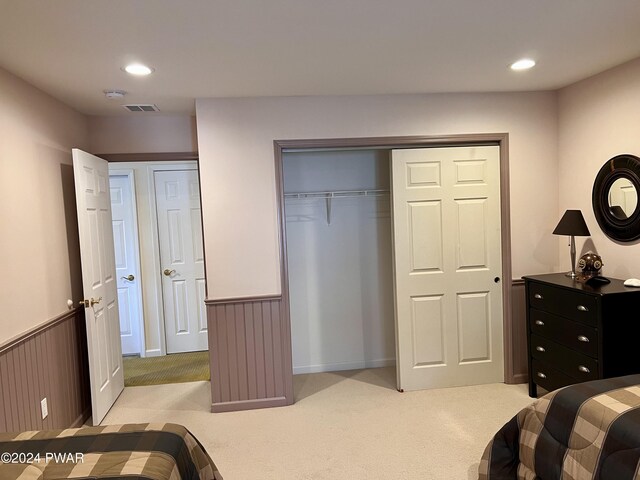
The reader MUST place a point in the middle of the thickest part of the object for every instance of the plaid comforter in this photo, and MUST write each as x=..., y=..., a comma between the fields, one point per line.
x=585, y=431
x=136, y=452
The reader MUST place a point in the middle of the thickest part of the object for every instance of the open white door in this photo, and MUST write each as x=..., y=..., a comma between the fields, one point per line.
x=99, y=281
x=447, y=266
x=182, y=260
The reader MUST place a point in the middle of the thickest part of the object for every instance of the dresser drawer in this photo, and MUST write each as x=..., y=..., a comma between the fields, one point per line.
x=577, y=336
x=564, y=359
x=574, y=305
x=548, y=377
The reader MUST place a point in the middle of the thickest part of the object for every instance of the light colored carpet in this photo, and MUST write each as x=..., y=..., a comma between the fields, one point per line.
x=174, y=368
x=349, y=425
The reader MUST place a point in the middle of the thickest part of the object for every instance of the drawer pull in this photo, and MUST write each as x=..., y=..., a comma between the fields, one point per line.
x=584, y=369
x=582, y=308
x=540, y=349
x=582, y=338
x=541, y=375
x=538, y=296
x=540, y=322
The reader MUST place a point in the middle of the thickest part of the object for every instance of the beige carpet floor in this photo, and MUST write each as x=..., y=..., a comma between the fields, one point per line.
x=349, y=425
x=174, y=368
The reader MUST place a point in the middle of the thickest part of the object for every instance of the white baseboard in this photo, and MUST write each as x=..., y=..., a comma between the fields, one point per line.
x=334, y=367
x=154, y=353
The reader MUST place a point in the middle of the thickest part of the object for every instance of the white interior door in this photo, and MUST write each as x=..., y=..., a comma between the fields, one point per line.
x=99, y=281
x=182, y=260
x=125, y=241
x=447, y=261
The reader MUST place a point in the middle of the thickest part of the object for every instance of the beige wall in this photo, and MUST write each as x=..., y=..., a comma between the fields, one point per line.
x=236, y=136
x=39, y=232
x=142, y=133
x=598, y=118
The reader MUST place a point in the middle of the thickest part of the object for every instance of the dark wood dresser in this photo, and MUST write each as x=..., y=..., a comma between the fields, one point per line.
x=577, y=332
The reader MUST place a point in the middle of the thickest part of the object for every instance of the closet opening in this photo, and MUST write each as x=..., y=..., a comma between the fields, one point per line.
x=336, y=204
x=339, y=262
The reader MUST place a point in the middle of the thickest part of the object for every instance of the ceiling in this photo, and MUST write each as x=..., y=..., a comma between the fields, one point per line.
x=74, y=49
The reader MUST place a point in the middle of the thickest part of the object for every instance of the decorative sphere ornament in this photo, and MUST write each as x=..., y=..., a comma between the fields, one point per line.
x=590, y=263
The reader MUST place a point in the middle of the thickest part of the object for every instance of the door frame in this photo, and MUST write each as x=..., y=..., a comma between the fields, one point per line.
x=152, y=300
x=130, y=174
x=500, y=139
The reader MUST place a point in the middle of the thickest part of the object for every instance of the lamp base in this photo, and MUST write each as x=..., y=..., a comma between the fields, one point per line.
x=571, y=274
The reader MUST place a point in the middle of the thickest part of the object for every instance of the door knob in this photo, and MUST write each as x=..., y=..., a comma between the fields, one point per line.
x=168, y=272
x=89, y=303
x=129, y=278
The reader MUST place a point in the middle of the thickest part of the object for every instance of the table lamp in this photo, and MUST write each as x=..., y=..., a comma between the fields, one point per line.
x=572, y=223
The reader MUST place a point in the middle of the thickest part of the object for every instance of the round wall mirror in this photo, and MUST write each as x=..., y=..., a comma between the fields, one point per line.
x=615, y=198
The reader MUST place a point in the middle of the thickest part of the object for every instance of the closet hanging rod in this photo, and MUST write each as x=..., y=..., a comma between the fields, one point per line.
x=338, y=194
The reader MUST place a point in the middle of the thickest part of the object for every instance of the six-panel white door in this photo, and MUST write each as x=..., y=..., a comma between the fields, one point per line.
x=181, y=260
x=447, y=266
x=125, y=241
x=91, y=176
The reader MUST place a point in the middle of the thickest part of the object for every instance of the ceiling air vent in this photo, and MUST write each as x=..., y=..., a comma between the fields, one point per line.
x=142, y=107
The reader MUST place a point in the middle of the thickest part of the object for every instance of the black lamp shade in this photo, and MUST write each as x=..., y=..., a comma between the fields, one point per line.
x=572, y=223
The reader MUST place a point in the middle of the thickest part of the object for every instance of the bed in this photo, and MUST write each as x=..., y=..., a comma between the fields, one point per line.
x=585, y=431
x=134, y=451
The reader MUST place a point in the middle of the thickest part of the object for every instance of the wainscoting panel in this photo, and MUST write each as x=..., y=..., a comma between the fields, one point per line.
x=519, y=332
x=49, y=361
x=250, y=354
x=249, y=367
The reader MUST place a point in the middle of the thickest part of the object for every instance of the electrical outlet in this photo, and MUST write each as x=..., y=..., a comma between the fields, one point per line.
x=44, y=408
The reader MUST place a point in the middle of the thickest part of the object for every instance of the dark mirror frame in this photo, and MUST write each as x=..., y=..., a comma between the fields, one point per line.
x=621, y=166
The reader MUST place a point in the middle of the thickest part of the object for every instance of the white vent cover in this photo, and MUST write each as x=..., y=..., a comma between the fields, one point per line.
x=142, y=107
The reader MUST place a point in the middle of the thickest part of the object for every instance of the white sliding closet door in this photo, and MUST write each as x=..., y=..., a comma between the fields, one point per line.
x=448, y=263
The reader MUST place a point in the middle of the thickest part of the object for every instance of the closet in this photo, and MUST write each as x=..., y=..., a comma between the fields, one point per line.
x=394, y=250
x=338, y=229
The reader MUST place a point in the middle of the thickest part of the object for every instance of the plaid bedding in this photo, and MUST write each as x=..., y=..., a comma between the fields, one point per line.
x=585, y=431
x=138, y=452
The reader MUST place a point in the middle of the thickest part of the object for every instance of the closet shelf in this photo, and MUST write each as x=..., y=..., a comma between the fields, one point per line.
x=337, y=194
x=329, y=195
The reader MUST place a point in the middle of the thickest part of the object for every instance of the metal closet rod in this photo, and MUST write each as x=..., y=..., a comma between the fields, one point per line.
x=337, y=193
x=328, y=196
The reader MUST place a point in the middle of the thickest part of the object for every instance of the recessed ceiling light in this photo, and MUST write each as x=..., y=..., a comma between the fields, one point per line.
x=138, y=69
x=523, y=64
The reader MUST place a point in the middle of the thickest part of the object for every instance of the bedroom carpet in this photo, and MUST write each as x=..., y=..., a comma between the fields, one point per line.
x=174, y=368
x=350, y=425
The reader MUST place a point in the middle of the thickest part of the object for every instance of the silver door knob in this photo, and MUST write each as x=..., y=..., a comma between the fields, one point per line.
x=129, y=278
x=168, y=272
